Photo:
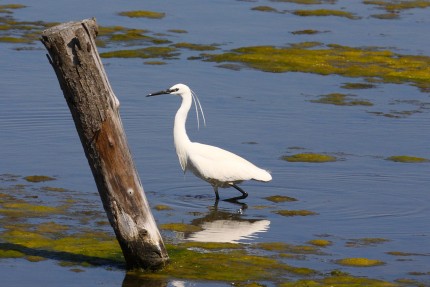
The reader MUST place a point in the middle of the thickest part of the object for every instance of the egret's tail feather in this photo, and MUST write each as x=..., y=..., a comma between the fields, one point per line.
x=264, y=176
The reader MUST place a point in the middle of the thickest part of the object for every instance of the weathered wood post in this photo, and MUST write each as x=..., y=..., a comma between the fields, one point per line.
x=94, y=107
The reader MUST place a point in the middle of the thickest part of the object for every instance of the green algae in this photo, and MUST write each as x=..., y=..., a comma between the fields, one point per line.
x=129, y=35
x=155, y=63
x=108, y=30
x=401, y=253
x=8, y=8
x=143, y=14
x=80, y=247
x=211, y=245
x=228, y=266
x=136, y=36
x=407, y=159
x=19, y=32
x=280, y=198
x=366, y=241
x=289, y=213
x=346, y=61
x=307, y=2
x=309, y=157
x=410, y=282
x=339, y=99
x=38, y=178
x=395, y=6
x=51, y=228
x=264, y=9
x=288, y=248
x=386, y=16
x=260, y=207
x=162, y=207
x=23, y=209
x=180, y=227
x=232, y=266
x=37, y=231
x=306, y=32
x=145, y=53
x=393, y=114
x=195, y=47
x=9, y=39
x=357, y=86
x=343, y=280
x=325, y=12
x=11, y=6
x=114, y=35
x=359, y=262
x=320, y=242
x=54, y=189
x=35, y=258
x=10, y=253
x=177, y=31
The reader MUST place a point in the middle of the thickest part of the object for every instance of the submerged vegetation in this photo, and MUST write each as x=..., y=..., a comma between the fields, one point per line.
x=309, y=157
x=38, y=178
x=325, y=12
x=280, y=198
x=340, y=280
x=144, y=53
x=310, y=57
x=333, y=59
x=367, y=241
x=52, y=223
x=306, y=32
x=143, y=14
x=395, y=6
x=289, y=213
x=359, y=262
x=407, y=159
x=339, y=99
x=67, y=232
x=320, y=242
x=357, y=86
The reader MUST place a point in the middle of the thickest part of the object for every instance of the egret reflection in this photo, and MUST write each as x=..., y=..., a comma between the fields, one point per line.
x=223, y=226
x=231, y=231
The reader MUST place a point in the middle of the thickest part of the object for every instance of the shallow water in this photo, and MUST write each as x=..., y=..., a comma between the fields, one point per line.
x=362, y=195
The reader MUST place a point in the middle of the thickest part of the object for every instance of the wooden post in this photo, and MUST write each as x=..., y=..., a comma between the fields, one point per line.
x=94, y=107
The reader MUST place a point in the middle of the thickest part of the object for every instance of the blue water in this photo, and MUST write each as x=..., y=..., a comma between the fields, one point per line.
x=360, y=196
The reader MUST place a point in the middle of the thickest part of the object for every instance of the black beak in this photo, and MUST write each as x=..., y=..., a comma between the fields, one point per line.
x=168, y=91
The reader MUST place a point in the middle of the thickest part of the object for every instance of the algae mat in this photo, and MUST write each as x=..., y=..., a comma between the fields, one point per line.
x=74, y=233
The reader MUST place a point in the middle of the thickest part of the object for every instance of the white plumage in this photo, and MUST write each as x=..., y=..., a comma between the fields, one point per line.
x=219, y=167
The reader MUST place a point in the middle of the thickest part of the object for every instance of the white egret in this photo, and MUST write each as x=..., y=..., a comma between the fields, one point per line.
x=218, y=167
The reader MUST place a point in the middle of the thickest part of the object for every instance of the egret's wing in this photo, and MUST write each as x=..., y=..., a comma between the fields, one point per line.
x=211, y=162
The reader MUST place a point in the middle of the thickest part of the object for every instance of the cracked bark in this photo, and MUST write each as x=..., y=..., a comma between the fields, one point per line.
x=95, y=110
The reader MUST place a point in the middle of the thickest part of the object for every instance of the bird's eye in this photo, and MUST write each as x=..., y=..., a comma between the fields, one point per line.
x=175, y=90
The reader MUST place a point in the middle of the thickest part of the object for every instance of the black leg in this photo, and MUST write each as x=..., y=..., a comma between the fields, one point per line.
x=216, y=193
x=244, y=193
x=243, y=196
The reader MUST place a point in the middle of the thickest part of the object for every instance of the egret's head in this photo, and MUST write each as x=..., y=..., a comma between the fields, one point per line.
x=178, y=89
x=185, y=92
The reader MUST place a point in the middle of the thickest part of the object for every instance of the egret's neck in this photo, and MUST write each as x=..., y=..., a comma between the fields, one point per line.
x=179, y=131
x=180, y=136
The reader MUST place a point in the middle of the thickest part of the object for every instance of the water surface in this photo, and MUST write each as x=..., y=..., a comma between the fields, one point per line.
x=361, y=195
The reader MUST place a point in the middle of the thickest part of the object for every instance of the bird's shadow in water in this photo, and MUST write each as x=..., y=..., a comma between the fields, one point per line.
x=222, y=225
